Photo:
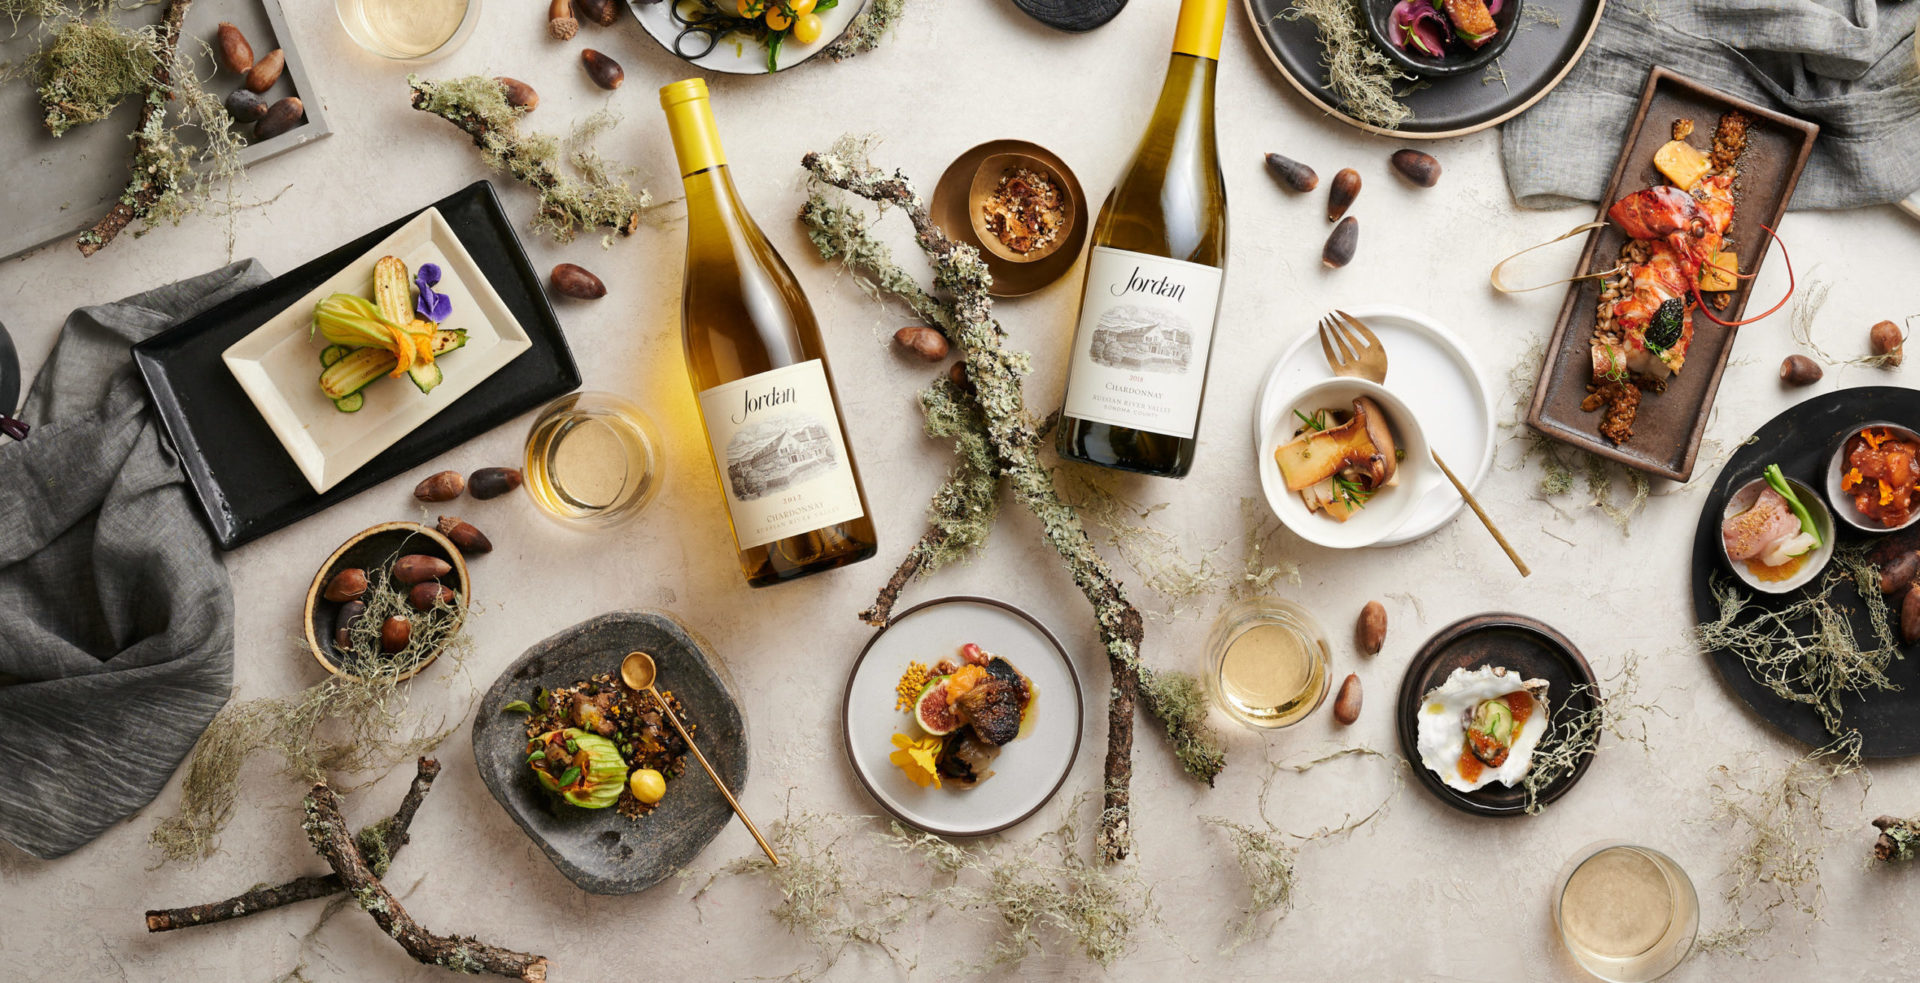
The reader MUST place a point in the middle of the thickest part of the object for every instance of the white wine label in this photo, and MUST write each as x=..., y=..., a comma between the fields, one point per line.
x=1140, y=350
x=782, y=459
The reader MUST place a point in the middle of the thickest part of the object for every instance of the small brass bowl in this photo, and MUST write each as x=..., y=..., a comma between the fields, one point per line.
x=986, y=180
x=373, y=548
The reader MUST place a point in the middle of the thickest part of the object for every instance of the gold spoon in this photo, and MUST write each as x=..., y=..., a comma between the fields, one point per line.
x=638, y=672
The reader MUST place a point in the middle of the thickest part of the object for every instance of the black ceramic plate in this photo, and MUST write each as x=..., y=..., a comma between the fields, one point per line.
x=246, y=483
x=1539, y=56
x=1521, y=645
x=598, y=849
x=1801, y=440
x=9, y=374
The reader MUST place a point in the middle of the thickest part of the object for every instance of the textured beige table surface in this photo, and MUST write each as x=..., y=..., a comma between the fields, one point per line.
x=1423, y=893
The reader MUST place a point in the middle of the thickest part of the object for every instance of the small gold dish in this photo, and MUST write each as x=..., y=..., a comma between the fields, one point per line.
x=987, y=181
x=954, y=197
x=368, y=549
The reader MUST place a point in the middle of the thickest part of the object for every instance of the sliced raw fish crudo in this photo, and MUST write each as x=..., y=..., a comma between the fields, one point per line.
x=1754, y=532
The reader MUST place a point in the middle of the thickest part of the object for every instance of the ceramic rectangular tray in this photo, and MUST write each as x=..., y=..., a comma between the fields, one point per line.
x=59, y=186
x=279, y=366
x=1667, y=431
x=246, y=483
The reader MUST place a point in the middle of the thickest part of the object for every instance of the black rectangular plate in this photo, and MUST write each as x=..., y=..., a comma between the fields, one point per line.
x=247, y=484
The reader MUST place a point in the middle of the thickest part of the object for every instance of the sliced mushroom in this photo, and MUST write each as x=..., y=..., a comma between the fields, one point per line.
x=1385, y=461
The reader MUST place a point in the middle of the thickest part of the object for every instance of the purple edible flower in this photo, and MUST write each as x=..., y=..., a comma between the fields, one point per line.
x=1417, y=27
x=433, y=306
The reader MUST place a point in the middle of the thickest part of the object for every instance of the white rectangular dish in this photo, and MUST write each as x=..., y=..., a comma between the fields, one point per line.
x=278, y=364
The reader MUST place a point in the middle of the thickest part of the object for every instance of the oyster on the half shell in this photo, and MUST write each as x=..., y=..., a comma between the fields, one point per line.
x=1481, y=726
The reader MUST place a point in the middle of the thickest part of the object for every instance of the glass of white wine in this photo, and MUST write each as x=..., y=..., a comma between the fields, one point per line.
x=593, y=459
x=1266, y=662
x=1627, y=914
x=409, y=30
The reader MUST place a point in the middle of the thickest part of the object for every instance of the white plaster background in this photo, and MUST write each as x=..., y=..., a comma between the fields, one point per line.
x=1423, y=893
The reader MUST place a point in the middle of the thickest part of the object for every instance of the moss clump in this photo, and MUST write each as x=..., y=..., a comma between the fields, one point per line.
x=90, y=68
x=867, y=30
x=1361, y=77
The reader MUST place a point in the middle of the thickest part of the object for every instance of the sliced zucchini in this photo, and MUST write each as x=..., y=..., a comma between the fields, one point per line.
x=360, y=367
x=332, y=354
x=425, y=376
x=350, y=403
x=391, y=293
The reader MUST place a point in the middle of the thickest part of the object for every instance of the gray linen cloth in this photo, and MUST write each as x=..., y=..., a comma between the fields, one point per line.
x=1847, y=65
x=116, y=619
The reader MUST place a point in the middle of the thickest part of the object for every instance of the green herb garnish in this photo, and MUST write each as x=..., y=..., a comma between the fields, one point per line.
x=1777, y=481
x=516, y=706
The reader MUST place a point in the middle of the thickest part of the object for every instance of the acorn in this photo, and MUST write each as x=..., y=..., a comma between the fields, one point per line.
x=424, y=596
x=1420, y=168
x=1346, y=705
x=343, y=620
x=245, y=105
x=1888, y=342
x=1292, y=173
x=605, y=72
x=464, y=535
x=576, y=281
x=519, y=94
x=347, y=585
x=235, y=52
x=266, y=71
x=395, y=632
x=280, y=117
x=1346, y=187
x=1799, y=370
x=493, y=482
x=418, y=568
x=1341, y=243
x=922, y=341
x=444, y=486
x=601, y=12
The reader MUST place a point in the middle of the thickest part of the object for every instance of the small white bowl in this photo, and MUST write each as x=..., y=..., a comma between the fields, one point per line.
x=1742, y=500
x=1390, y=508
x=1837, y=468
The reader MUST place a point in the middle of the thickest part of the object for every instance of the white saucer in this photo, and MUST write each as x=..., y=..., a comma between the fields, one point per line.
x=1430, y=369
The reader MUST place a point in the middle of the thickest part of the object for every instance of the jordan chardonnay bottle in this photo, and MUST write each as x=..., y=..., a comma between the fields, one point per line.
x=1138, y=368
x=760, y=373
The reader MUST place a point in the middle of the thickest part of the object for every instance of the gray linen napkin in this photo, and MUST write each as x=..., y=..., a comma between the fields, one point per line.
x=116, y=619
x=1847, y=65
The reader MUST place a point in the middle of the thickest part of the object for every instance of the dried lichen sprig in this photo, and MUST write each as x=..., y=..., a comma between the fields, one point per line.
x=1572, y=737
x=1778, y=828
x=1560, y=465
x=1258, y=573
x=1159, y=557
x=1806, y=311
x=1266, y=856
x=1899, y=839
x=866, y=31
x=1361, y=77
x=599, y=198
x=379, y=842
x=91, y=66
x=1806, y=652
x=994, y=373
x=341, y=725
x=327, y=831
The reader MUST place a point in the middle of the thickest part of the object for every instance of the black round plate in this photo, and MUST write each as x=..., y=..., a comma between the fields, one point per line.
x=1071, y=15
x=9, y=375
x=1520, y=644
x=1539, y=56
x=1801, y=440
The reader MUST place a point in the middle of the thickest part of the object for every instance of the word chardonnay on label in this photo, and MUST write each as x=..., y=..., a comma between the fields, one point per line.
x=760, y=372
x=1138, y=368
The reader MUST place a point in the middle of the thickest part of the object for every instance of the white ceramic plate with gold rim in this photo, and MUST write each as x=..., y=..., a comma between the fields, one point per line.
x=278, y=363
x=1432, y=371
x=1029, y=769
x=668, y=22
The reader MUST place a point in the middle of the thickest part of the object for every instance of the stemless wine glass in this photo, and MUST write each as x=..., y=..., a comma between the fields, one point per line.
x=1266, y=662
x=593, y=459
x=415, y=31
x=1627, y=914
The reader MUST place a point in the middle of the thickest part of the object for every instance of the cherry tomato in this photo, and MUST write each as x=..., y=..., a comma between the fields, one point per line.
x=777, y=18
x=750, y=8
x=647, y=785
x=806, y=30
x=802, y=7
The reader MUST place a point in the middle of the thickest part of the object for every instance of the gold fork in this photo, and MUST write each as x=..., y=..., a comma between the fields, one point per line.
x=1359, y=354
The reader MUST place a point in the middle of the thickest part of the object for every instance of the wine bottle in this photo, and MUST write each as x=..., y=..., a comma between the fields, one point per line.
x=760, y=373
x=1137, y=373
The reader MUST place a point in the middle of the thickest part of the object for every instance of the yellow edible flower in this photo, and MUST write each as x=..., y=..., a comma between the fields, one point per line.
x=916, y=758
x=1874, y=440
x=1886, y=492
x=1853, y=477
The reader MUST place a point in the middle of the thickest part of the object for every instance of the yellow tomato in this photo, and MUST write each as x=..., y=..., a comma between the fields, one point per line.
x=806, y=30
x=802, y=7
x=750, y=8
x=777, y=18
x=647, y=785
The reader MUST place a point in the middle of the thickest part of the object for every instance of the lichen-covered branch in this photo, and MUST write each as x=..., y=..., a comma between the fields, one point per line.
x=380, y=842
x=864, y=34
x=995, y=373
x=327, y=830
x=153, y=165
x=1899, y=839
x=598, y=199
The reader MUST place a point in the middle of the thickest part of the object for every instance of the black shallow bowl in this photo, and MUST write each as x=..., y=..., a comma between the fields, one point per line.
x=1380, y=19
x=1520, y=644
x=598, y=849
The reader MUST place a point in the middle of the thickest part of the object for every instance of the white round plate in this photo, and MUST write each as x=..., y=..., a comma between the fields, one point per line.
x=736, y=54
x=1430, y=369
x=1029, y=769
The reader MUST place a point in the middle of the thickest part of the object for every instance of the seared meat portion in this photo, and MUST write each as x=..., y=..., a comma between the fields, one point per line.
x=993, y=708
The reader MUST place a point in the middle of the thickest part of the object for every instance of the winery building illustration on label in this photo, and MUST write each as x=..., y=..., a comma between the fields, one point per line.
x=1142, y=339
x=1140, y=350
x=778, y=454
x=781, y=457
